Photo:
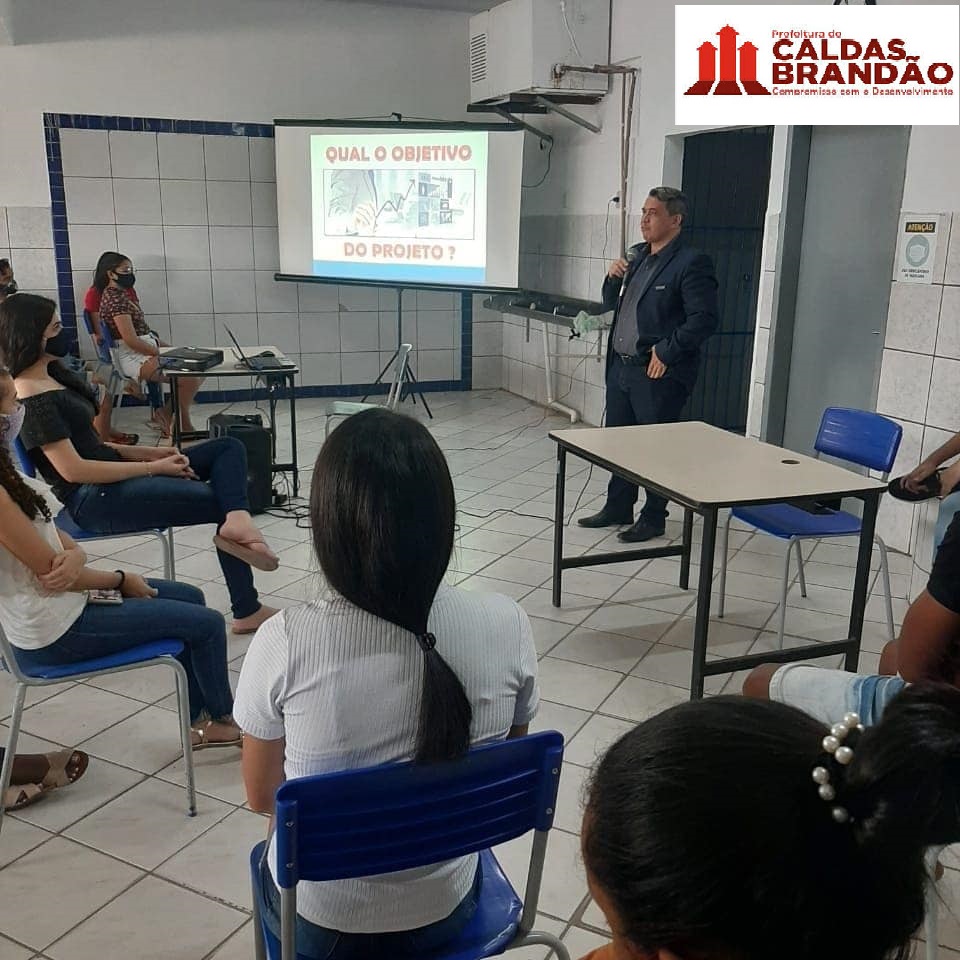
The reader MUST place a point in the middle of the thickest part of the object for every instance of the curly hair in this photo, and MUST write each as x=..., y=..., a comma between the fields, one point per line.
x=25, y=497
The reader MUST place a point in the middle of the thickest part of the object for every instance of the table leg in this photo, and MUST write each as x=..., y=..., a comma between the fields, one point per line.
x=291, y=386
x=861, y=579
x=558, y=523
x=175, y=410
x=701, y=624
x=271, y=383
x=685, y=556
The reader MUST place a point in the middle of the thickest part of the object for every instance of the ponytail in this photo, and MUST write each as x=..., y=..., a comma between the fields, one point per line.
x=445, y=711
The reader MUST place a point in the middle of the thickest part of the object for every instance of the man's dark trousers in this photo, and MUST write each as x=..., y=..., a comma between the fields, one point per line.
x=634, y=399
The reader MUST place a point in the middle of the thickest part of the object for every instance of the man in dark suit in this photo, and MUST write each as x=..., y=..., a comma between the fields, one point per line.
x=664, y=297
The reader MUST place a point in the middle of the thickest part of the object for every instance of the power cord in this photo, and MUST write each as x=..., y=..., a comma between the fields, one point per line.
x=546, y=173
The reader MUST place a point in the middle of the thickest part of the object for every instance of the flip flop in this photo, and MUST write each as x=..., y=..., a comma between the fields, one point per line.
x=125, y=439
x=242, y=551
x=57, y=775
x=23, y=795
x=205, y=744
x=929, y=488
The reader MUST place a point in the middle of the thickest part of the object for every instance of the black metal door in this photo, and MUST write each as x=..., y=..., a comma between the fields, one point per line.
x=726, y=176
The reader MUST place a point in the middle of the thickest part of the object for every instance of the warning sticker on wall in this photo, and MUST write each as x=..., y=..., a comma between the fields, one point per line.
x=917, y=249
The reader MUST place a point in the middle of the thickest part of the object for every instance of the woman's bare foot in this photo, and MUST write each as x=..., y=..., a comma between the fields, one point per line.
x=216, y=733
x=240, y=528
x=250, y=624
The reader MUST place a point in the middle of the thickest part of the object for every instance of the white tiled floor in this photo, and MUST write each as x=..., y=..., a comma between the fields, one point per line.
x=114, y=860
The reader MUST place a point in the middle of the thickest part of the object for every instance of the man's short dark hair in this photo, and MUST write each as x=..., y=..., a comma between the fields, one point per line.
x=673, y=199
x=4, y=265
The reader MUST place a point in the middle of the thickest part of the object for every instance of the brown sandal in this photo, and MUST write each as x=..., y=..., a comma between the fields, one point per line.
x=57, y=775
x=22, y=795
x=242, y=551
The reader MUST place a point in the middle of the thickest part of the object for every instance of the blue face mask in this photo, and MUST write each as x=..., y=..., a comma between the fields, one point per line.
x=10, y=425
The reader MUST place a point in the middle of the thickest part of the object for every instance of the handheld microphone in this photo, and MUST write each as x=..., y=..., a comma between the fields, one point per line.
x=630, y=256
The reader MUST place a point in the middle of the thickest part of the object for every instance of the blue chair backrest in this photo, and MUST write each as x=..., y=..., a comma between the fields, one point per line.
x=859, y=436
x=26, y=464
x=393, y=817
x=104, y=342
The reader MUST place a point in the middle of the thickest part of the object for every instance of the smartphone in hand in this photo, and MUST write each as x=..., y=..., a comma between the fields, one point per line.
x=104, y=596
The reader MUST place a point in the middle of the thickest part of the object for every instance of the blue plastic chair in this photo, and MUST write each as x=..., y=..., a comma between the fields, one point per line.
x=856, y=436
x=162, y=653
x=67, y=524
x=358, y=823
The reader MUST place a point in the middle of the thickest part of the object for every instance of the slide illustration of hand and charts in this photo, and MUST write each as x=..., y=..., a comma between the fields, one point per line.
x=401, y=206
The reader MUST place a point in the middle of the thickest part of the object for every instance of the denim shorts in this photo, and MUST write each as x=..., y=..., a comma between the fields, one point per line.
x=828, y=694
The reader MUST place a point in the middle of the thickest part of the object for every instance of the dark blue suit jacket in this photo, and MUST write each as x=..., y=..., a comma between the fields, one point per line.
x=677, y=311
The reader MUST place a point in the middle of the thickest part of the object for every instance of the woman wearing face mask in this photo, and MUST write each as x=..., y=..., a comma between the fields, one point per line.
x=112, y=489
x=139, y=346
x=47, y=618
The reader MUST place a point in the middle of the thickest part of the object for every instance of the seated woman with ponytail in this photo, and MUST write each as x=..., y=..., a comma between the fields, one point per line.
x=738, y=829
x=390, y=665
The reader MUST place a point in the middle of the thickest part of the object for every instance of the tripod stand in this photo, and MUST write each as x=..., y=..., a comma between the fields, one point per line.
x=407, y=376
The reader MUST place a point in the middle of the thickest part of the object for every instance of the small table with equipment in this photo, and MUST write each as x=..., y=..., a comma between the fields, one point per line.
x=705, y=469
x=276, y=381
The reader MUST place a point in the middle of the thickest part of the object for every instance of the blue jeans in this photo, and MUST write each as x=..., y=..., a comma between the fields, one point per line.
x=948, y=507
x=144, y=503
x=176, y=613
x=320, y=943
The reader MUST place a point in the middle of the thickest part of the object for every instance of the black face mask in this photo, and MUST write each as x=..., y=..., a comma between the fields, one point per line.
x=59, y=346
x=8, y=288
x=126, y=280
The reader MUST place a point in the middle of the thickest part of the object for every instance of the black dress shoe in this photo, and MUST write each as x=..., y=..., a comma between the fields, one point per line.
x=605, y=518
x=641, y=531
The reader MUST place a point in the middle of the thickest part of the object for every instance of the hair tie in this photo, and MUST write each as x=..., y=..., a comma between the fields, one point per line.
x=427, y=641
x=842, y=754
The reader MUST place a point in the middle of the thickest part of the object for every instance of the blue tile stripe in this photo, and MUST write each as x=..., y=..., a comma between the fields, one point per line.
x=53, y=123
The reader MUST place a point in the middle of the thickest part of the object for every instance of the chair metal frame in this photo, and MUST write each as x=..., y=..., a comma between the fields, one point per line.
x=66, y=523
x=531, y=767
x=346, y=408
x=152, y=654
x=795, y=541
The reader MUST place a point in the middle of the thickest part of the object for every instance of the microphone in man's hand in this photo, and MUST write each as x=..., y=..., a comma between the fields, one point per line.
x=629, y=256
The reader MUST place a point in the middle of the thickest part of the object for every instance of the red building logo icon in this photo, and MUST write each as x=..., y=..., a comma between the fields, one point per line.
x=731, y=80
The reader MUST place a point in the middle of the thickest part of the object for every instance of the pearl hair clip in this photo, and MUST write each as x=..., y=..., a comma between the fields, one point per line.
x=833, y=744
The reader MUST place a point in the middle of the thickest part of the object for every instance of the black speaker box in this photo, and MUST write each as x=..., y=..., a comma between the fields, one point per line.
x=249, y=430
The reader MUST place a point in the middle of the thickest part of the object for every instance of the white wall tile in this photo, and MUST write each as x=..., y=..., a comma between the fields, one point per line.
x=228, y=203
x=181, y=156
x=359, y=368
x=262, y=159
x=765, y=298
x=320, y=333
x=4, y=235
x=243, y=325
x=183, y=202
x=34, y=269
x=912, y=317
x=152, y=290
x=487, y=339
x=189, y=291
x=437, y=300
x=438, y=365
x=761, y=347
x=281, y=330
x=487, y=373
x=388, y=328
x=319, y=297
x=231, y=248
x=904, y=384
x=319, y=369
x=89, y=200
x=264, y=196
x=85, y=153
x=266, y=248
x=771, y=241
x=359, y=331
x=192, y=330
x=275, y=296
x=137, y=201
x=29, y=227
x=944, y=390
x=234, y=291
x=362, y=298
x=948, y=333
x=435, y=329
x=933, y=438
x=895, y=518
x=82, y=279
x=187, y=248
x=226, y=158
x=160, y=324
x=143, y=245
x=133, y=154
x=952, y=271
x=88, y=242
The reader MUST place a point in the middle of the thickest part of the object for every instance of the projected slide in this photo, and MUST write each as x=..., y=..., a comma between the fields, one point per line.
x=401, y=206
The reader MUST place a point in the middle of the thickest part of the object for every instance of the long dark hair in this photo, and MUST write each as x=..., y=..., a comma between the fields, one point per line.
x=23, y=319
x=382, y=509
x=705, y=830
x=108, y=261
x=28, y=500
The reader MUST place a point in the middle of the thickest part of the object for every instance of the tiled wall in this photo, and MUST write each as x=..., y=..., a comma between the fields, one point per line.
x=761, y=341
x=26, y=240
x=920, y=386
x=194, y=206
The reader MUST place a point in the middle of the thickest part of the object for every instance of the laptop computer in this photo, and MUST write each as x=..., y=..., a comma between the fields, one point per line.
x=260, y=364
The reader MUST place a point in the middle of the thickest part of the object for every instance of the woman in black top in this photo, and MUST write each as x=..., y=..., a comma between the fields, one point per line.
x=109, y=489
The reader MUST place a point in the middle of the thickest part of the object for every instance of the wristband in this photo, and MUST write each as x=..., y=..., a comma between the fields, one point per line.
x=123, y=577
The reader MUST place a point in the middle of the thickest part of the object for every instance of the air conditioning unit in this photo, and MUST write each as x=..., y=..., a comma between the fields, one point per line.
x=514, y=47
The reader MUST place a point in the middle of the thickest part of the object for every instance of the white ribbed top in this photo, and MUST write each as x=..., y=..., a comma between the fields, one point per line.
x=343, y=688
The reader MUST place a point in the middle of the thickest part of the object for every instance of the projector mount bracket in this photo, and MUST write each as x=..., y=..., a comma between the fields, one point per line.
x=512, y=106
